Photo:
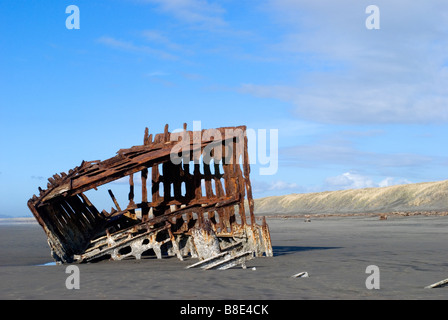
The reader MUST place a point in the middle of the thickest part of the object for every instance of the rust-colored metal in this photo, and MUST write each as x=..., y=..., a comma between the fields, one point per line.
x=198, y=183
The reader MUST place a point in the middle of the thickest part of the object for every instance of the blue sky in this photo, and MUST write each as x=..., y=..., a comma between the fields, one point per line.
x=353, y=107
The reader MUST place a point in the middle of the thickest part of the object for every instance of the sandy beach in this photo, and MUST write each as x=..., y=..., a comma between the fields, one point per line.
x=410, y=253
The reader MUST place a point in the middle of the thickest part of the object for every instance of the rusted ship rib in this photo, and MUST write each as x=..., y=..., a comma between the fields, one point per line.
x=198, y=183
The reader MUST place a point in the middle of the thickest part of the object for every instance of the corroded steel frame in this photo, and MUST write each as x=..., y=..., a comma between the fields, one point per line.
x=188, y=179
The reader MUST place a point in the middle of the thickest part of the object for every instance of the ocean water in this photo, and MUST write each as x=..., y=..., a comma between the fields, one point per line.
x=46, y=264
x=17, y=221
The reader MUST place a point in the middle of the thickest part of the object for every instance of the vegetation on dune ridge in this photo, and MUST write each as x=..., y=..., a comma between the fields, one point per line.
x=425, y=196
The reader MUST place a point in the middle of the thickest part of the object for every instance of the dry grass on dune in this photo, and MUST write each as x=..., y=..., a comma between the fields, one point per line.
x=427, y=196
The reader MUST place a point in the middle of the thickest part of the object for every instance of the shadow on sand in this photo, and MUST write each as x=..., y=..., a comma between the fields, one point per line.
x=282, y=250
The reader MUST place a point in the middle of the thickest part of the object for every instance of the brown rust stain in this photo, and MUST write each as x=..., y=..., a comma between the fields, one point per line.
x=178, y=198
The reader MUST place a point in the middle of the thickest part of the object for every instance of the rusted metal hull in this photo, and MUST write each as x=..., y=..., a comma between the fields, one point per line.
x=194, y=185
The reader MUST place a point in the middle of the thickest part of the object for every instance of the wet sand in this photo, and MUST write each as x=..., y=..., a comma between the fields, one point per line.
x=410, y=252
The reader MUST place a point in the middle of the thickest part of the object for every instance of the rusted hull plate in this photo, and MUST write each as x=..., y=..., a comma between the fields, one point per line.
x=194, y=185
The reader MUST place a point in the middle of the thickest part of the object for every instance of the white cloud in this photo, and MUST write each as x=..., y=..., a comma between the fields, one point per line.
x=131, y=47
x=156, y=36
x=339, y=151
x=157, y=74
x=353, y=180
x=398, y=74
x=349, y=180
x=345, y=181
x=282, y=185
x=159, y=38
x=197, y=12
x=354, y=103
x=261, y=187
x=389, y=181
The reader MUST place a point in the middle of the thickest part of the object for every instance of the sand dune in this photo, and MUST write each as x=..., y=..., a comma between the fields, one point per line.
x=427, y=196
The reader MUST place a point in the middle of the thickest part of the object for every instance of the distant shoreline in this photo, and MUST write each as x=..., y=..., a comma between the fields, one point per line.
x=19, y=220
x=259, y=216
x=381, y=215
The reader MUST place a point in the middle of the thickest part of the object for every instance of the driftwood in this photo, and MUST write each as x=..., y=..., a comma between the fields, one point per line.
x=439, y=284
x=194, y=185
x=303, y=274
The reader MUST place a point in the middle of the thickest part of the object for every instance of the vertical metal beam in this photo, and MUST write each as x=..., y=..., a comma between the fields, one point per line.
x=114, y=200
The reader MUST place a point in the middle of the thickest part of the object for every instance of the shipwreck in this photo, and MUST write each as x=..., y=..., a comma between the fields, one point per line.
x=196, y=201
